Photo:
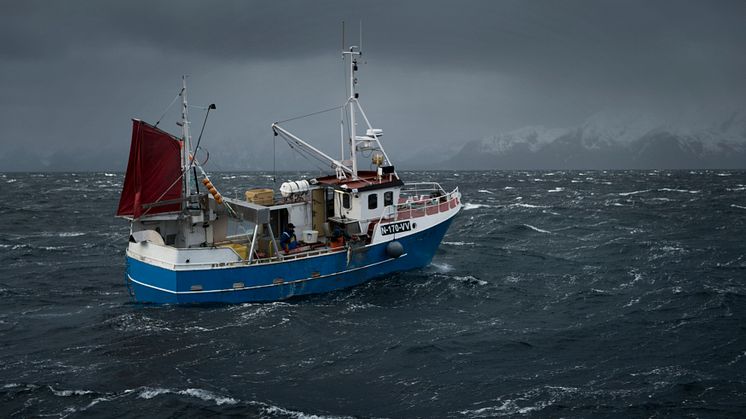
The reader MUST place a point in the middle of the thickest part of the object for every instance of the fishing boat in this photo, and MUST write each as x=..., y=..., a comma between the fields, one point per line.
x=190, y=244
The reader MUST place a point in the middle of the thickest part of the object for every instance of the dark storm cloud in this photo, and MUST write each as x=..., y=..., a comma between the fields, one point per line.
x=441, y=72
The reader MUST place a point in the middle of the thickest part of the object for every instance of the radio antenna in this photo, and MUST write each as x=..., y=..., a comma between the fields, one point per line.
x=361, y=34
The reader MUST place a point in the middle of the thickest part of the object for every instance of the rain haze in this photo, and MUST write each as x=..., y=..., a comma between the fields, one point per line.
x=442, y=79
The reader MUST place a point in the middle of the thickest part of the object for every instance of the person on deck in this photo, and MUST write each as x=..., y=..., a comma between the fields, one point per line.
x=288, y=241
x=339, y=237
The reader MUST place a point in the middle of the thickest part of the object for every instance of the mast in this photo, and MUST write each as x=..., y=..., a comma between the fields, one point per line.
x=186, y=149
x=352, y=103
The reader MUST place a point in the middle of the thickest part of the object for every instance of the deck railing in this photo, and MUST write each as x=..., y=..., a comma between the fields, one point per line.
x=426, y=198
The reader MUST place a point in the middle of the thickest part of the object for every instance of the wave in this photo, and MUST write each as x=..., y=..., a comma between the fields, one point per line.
x=149, y=393
x=737, y=206
x=536, y=399
x=537, y=229
x=459, y=243
x=442, y=267
x=469, y=279
x=521, y=205
x=485, y=191
x=281, y=411
x=470, y=206
x=633, y=192
x=68, y=393
x=557, y=189
x=678, y=190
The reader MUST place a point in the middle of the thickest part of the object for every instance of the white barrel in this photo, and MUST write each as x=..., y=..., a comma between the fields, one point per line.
x=290, y=188
x=310, y=236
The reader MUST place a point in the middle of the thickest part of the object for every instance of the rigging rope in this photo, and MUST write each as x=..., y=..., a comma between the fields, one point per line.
x=169, y=106
x=310, y=114
x=181, y=176
x=308, y=156
x=305, y=154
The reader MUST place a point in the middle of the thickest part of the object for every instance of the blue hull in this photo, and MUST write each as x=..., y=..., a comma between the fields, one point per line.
x=279, y=281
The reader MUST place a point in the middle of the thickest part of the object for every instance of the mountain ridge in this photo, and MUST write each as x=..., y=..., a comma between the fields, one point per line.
x=612, y=141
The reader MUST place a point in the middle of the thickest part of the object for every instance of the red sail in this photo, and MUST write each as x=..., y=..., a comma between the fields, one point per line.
x=153, y=172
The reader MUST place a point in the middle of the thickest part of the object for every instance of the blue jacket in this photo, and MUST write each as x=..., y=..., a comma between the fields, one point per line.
x=288, y=240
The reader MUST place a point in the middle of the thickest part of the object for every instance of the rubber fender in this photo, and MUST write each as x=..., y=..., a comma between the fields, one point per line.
x=394, y=249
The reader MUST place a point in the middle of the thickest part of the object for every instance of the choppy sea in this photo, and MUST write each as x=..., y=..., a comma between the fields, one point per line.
x=554, y=294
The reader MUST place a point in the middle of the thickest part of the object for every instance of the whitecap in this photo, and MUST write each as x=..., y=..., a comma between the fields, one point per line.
x=11, y=181
x=470, y=206
x=71, y=234
x=599, y=291
x=281, y=411
x=737, y=206
x=678, y=190
x=149, y=393
x=109, y=174
x=68, y=393
x=485, y=191
x=16, y=385
x=208, y=396
x=470, y=279
x=459, y=243
x=507, y=188
x=633, y=192
x=537, y=229
x=527, y=205
x=637, y=277
x=557, y=189
x=442, y=267
x=632, y=302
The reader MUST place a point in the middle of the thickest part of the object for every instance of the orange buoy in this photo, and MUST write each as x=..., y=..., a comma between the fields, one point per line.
x=211, y=188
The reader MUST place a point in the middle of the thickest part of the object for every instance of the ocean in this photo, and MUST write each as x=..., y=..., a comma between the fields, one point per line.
x=554, y=294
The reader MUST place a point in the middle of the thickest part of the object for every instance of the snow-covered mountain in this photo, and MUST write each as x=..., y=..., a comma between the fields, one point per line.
x=613, y=141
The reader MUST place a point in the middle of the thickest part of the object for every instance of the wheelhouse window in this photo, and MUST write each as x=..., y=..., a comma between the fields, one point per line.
x=346, y=201
x=373, y=201
x=388, y=198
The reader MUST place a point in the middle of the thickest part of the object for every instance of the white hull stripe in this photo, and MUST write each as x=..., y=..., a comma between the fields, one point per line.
x=297, y=281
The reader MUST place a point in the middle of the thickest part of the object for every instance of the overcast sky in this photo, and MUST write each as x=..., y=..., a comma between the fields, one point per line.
x=437, y=73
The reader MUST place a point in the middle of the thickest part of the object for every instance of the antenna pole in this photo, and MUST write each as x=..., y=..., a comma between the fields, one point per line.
x=352, y=103
x=186, y=149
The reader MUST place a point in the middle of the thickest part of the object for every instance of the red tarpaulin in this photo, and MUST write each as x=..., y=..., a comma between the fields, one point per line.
x=153, y=171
